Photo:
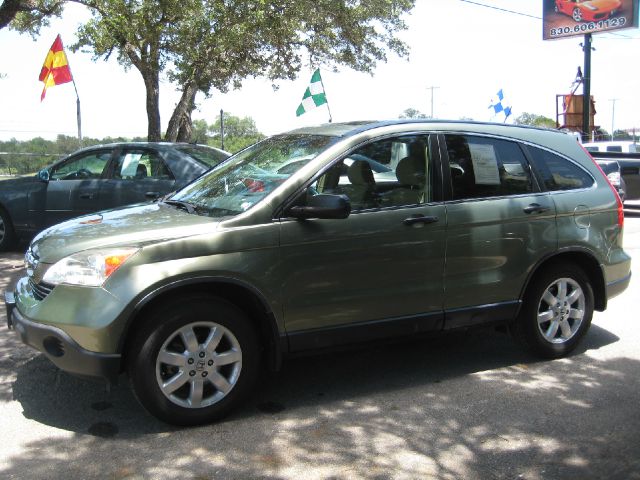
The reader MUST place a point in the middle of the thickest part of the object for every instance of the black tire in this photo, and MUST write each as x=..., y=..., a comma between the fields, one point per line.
x=7, y=235
x=164, y=331
x=553, y=331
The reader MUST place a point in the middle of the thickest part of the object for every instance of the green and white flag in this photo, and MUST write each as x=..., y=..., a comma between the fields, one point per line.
x=314, y=96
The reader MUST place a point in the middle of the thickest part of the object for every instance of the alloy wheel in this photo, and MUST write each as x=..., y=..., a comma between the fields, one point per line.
x=198, y=364
x=561, y=310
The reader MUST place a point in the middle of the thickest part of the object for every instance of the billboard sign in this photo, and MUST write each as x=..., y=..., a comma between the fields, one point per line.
x=568, y=18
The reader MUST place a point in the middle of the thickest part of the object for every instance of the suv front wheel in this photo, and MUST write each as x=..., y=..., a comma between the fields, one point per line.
x=557, y=311
x=193, y=360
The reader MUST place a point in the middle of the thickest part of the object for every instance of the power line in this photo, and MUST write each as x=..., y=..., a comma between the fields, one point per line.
x=502, y=9
x=513, y=12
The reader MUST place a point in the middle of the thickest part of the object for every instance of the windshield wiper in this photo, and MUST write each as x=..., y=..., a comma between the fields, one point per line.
x=180, y=204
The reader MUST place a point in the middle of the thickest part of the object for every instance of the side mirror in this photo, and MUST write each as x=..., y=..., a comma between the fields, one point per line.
x=43, y=175
x=323, y=206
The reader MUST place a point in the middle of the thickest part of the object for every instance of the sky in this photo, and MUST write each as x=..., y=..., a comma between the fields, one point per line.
x=465, y=50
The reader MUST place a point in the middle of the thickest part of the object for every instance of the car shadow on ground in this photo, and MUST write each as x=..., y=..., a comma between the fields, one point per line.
x=52, y=397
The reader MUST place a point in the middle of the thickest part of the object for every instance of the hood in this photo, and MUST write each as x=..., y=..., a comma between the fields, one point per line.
x=130, y=226
x=603, y=4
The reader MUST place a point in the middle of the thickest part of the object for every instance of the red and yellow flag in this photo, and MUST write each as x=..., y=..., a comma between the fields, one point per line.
x=55, y=69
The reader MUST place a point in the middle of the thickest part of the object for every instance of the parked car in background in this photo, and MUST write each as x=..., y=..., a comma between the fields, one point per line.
x=613, y=146
x=612, y=170
x=629, y=170
x=98, y=178
x=193, y=295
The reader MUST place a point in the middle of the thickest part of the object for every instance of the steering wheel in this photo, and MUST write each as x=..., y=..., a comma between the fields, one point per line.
x=84, y=173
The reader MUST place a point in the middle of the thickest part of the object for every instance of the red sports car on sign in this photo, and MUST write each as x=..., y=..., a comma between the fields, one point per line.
x=588, y=10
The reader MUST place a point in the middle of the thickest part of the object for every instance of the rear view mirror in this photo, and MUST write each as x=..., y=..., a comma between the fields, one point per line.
x=323, y=206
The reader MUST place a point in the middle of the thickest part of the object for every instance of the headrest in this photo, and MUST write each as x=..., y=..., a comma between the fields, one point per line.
x=360, y=173
x=411, y=171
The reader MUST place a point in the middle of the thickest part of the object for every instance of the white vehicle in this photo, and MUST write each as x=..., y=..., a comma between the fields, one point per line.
x=621, y=147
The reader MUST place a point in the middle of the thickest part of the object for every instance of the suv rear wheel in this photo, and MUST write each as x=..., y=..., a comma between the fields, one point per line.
x=193, y=360
x=557, y=311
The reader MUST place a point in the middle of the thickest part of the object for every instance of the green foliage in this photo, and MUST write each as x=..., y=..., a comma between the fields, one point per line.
x=27, y=157
x=413, y=113
x=239, y=132
x=28, y=16
x=535, y=121
x=202, y=45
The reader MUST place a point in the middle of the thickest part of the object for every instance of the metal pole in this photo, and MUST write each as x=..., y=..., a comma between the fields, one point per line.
x=221, y=129
x=432, y=88
x=325, y=97
x=613, y=115
x=78, y=116
x=586, y=88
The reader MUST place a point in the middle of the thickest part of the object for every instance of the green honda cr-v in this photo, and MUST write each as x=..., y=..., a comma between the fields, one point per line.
x=323, y=236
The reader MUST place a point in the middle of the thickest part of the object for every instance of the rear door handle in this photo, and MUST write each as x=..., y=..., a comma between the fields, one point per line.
x=535, y=208
x=86, y=196
x=420, y=219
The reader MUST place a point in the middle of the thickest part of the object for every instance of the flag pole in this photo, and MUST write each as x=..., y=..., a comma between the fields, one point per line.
x=327, y=100
x=79, y=117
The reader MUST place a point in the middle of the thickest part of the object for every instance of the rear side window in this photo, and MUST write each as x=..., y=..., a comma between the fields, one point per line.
x=486, y=167
x=558, y=173
x=139, y=165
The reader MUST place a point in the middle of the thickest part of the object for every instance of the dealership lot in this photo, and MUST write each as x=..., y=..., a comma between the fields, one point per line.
x=467, y=405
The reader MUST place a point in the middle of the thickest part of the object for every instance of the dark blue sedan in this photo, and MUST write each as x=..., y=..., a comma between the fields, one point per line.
x=98, y=178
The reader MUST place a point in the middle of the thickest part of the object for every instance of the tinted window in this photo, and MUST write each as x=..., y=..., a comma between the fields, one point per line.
x=614, y=148
x=558, y=173
x=609, y=167
x=208, y=156
x=486, y=167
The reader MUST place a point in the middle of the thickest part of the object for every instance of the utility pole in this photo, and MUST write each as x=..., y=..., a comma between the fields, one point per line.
x=432, y=88
x=613, y=115
x=221, y=129
x=586, y=88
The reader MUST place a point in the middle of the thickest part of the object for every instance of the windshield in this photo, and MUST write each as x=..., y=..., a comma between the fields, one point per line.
x=238, y=184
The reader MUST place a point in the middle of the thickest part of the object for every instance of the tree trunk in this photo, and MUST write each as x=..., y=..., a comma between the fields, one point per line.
x=152, y=84
x=8, y=10
x=180, y=125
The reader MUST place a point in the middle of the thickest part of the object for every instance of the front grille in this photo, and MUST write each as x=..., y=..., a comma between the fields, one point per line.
x=40, y=290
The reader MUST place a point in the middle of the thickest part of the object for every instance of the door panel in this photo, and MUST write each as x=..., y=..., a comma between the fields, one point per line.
x=74, y=186
x=370, y=266
x=382, y=264
x=492, y=245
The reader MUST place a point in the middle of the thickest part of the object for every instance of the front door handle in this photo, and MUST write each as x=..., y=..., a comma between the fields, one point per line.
x=86, y=196
x=152, y=195
x=535, y=208
x=424, y=219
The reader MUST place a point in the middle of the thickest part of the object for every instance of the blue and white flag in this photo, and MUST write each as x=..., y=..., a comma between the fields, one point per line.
x=500, y=105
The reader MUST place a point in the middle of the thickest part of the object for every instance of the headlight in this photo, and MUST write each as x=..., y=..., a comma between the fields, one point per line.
x=90, y=268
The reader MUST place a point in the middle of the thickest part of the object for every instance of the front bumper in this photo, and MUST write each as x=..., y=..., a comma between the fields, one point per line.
x=60, y=348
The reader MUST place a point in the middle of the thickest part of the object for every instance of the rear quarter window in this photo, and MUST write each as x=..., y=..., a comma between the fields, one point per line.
x=558, y=173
